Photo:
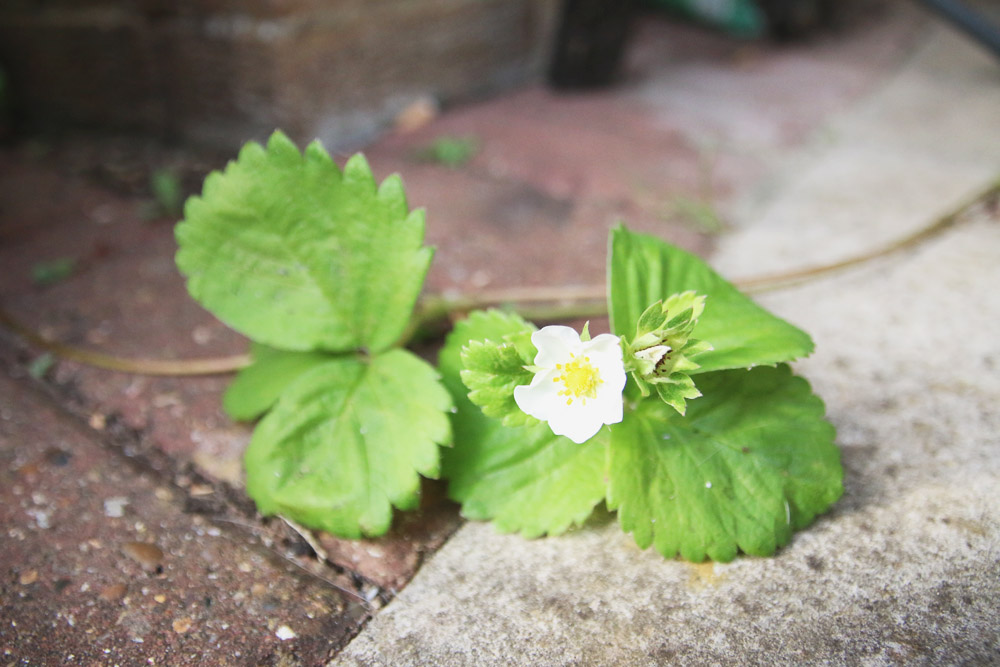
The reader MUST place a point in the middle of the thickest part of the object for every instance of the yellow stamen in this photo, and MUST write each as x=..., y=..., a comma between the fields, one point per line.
x=580, y=379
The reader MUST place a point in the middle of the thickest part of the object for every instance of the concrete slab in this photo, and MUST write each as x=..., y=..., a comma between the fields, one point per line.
x=904, y=569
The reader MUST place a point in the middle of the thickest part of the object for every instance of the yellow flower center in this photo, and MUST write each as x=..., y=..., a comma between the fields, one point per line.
x=579, y=378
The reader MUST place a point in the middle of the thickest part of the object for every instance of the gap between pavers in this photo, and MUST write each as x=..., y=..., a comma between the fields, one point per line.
x=903, y=570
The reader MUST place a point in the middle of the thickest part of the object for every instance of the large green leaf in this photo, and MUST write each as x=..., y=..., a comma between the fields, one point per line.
x=294, y=253
x=526, y=479
x=751, y=462
x=643, y=269
x=257, y=387
x=346, y=440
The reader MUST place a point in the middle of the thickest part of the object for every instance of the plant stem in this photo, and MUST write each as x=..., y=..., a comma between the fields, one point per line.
x=774, y=281
x=205, y=366
x=541, y=304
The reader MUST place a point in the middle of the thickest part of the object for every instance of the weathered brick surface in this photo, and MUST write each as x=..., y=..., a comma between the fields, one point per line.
x=103, y=564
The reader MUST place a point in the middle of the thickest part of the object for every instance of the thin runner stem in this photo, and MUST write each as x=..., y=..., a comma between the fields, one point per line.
x=534, y=303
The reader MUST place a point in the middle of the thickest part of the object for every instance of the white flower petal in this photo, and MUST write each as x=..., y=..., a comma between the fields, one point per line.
x=604, y=344
x=554, y=344
x=537, y=398
x=578, y=428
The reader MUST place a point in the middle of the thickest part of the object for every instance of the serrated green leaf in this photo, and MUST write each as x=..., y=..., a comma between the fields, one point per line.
x=491, y=370
x=526, y=479
x=257, y=387
x=346, y=441
x=294, y=253
x=751, y=462
x=643, y=269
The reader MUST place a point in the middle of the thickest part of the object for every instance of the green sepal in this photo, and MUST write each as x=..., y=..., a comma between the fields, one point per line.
x=660, y=354
x=491, y=371
x=348, y=440
x=675, y=390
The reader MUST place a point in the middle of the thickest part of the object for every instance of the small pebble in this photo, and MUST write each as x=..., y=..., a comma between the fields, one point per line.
x=41, y=517
x=182, y=625
x=285, y=633
x=417, y=114
x=160, y=598
x=97, y=421
x=146, y=554
x=115, y=507
x=57, y=457
x=28, y=577
x=201, y=335
x=113, y=592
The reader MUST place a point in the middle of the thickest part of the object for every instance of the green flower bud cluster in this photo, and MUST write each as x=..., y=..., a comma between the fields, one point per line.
x=661, y=356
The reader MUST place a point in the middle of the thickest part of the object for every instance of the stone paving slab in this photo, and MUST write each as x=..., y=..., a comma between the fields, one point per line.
x=904, y=570
x=104, y=565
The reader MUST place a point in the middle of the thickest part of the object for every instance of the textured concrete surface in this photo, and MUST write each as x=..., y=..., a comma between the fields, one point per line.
x=906, y=568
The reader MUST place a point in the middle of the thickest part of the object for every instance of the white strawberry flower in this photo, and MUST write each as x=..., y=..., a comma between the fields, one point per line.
x=578, y=384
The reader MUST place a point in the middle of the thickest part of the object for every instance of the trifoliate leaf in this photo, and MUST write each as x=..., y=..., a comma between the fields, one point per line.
x=257, y=387
x=294, y=253
x=491, y=370
x=345, y=443
x=751, y=462
x=644, y=269
x=524, y=478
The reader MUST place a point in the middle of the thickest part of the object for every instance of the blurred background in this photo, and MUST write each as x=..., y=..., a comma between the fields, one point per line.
x=218, y=72
x=523, y=123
